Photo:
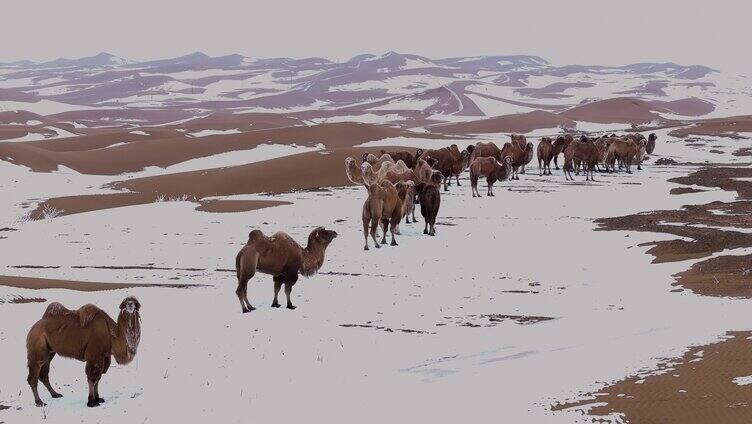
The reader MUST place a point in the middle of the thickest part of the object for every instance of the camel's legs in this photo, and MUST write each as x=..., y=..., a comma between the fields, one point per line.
x=242, y=292
x=556, y=162
x=425, y=227
x=365, y=232
x=374, y=226
x=394, y=227
x=93, y=374
x=289, y=282
x=457, y=177
x=278, y=280
x=33, y=379
x=44, y=375
x=384, y=229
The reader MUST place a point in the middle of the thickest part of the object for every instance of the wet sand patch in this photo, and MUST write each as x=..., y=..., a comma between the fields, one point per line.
x=231, y=206
x=699, y=387
x=34, y=283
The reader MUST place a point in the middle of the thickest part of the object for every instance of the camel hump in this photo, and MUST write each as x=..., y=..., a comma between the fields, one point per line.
x=56, y=309
x=87, y=313
x=255, y=235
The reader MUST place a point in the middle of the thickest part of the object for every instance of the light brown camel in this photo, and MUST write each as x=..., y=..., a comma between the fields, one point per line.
x=87, y=334
x=383, y=206
x=490, y=168
x=281, y=257
x=424, y=169
x=405, y=156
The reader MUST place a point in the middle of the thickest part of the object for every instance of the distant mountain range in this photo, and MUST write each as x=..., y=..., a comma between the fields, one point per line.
x=406, y=85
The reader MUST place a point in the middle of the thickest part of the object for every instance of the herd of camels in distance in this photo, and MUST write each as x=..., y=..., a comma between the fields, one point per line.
x=395, y=181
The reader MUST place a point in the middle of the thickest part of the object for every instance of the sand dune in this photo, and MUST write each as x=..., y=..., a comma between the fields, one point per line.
x=518, y=123
x=137, y=154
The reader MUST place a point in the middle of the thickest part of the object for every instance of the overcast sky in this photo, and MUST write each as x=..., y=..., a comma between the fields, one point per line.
x=605, y=32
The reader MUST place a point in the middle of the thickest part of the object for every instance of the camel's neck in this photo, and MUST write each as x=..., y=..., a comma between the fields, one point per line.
x=313, y=258
x=126, y=338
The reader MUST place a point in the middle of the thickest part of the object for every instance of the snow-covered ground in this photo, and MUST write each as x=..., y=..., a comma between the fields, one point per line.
x=531, y=251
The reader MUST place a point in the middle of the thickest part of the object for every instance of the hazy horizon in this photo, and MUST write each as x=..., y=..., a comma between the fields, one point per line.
x=579, y=32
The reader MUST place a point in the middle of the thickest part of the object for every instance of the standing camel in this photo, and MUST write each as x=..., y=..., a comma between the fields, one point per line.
x=87, y=334
x=282, y=257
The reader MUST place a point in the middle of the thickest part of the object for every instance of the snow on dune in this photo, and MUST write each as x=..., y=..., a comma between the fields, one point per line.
x=42, y=107
x=205, y=133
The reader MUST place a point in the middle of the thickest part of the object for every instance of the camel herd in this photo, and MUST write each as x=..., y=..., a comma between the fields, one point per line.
x=395, y=182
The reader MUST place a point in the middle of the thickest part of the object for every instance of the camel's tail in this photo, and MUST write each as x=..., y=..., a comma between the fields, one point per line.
x=246, y=262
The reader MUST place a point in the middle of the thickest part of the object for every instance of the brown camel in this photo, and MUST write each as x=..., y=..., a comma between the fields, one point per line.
x=520, y=157
x=404, y=156
x=87, y=334
x=486, y=150
x=282, y=257
x=622, y=150
x=429, y=198
x=383, y=206
x=545, y=155
x=560, y=144
x=584, y=151
x=451, y=162
x=406, y=193
x=492, y=170
x=424, y=169
x=354, y=171
x=520, y=141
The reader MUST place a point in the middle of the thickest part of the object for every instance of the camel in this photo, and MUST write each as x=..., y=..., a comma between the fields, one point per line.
x=622, y=150
x=281, y=257
x=384, y=206
x=485, y=150
x=451, y=162
x=545, y=154
x=492, y=170
x=559, y=145
x=520, y=141
x=353, y=171
x=424, y=168
x=87, y=334
x=584, y=151
x=406, y=193
x=429, y=198
x=519, y=156
x=408, y=158
x=377, y=161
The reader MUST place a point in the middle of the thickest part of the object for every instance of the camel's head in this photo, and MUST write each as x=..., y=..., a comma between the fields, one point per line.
x=418, y=153
x=436, y=177
x=507, y=164
x=130, y=305
x=651, y=142
x=322, y=236
x=465, y=157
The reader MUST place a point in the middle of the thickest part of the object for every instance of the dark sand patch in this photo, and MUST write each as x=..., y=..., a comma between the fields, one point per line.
x=492, y=320
x=228, y=206
x=724, y=127
x=721, y=177
x=169, y=150
x=304, y=171
x=684, y=190
x=34, y=283
x=386, y=329
x=698, y=387
x=516, y=123
x=706, y=228
x=723, y=276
